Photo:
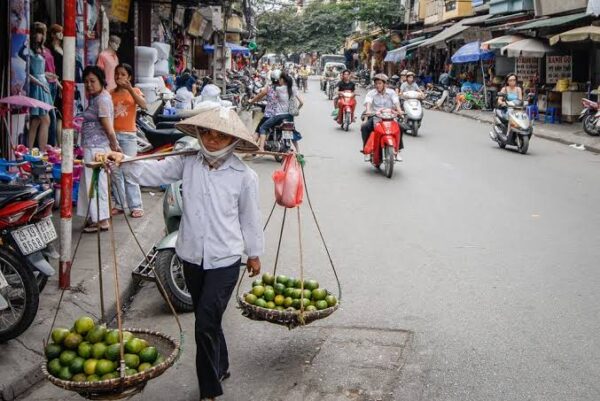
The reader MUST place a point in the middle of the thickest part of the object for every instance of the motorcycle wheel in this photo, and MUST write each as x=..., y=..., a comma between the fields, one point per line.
x=523, y=144
x=589, y=125
x=169, y=269
x=22, y=295
x=388, y=160
x=449, y=106
x=428, y=104
x=415, y=128
x=346, y=123
x=278, y=158
x=468, y=105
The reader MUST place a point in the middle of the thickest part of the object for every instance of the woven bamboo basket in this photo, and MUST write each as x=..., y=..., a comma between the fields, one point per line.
x=115, y=389
x=290, y=319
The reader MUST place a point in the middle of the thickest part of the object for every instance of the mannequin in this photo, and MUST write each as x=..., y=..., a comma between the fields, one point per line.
x=39, y=88
x=108, y=61
x=55, y=47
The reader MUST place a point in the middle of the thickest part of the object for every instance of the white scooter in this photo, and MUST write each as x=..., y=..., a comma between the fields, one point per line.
x=512, y=125
x=413, y=112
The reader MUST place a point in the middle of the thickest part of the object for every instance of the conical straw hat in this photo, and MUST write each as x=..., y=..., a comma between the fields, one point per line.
x=223, y=120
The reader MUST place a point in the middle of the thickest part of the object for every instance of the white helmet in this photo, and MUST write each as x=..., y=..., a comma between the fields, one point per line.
x=275, y=75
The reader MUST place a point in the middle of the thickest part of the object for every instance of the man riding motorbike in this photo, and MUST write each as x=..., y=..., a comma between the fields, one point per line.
x=344, y=85
x=303, y=74
x=378, y=99
x=330, y=73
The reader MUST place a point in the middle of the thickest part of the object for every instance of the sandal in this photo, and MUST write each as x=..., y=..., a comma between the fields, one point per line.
x=91, y=228
x=137, y=213
x=105, y=226
x=116, y=211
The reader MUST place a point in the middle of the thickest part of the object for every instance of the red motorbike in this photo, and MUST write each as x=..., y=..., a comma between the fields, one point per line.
x=384, y=142
x=346, y=105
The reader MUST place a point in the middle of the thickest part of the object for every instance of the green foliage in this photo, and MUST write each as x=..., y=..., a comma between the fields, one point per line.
x=322, y=26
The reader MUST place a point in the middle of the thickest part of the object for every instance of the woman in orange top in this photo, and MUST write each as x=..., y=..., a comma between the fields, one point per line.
x=126, y=98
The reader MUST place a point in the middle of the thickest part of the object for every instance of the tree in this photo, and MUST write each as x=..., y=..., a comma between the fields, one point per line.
x=379, y=13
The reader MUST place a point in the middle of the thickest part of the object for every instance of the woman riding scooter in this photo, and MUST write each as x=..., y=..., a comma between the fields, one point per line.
x=511, y=91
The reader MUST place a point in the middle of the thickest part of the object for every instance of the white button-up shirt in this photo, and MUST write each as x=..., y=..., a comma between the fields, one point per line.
x=221, y=215
x=388, y=100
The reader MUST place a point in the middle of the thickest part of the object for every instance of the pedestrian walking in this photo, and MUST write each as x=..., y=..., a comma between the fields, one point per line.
x=220, y=222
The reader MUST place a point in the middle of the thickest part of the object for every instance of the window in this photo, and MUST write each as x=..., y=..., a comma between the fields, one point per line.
x=450, y=5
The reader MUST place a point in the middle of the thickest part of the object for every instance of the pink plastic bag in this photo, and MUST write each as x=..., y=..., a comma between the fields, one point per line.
x=289, y=185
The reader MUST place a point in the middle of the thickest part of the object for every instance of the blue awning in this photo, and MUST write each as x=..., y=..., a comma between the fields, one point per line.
x=471, y=52
x=235, y=49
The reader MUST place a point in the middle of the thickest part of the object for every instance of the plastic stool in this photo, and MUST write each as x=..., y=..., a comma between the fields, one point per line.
x=551, y=116
x=533, y=112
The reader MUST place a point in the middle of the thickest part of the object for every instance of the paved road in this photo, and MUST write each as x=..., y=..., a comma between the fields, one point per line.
x=472, y=274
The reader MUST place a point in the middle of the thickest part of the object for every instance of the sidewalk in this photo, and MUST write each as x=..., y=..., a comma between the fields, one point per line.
x=22, y=357
x=564, y=133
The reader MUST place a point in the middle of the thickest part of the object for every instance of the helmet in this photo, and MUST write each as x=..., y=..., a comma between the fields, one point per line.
x=395, y=77
x=380, y=77
x=410, y=74
x=275, y=75
x=403, y=73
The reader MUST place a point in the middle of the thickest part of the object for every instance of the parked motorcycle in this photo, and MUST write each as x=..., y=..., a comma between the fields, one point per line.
x=413, y=111
x=590, y=117
x=26, y=234
x=384, y=142
x=346, y=106
x=512, y=125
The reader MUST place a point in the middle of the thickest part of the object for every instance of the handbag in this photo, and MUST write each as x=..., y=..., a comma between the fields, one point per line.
x=293, y=107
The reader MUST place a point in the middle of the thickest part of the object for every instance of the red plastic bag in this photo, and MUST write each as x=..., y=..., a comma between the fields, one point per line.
x=289, y=184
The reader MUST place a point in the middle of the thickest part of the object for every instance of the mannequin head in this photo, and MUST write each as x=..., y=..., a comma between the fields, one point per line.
x=114, y=42
x=56, y=33
x=39, y=33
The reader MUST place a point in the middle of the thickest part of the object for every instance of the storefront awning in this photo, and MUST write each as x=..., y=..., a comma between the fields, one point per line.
x=452, y=31
x=501, y=41
x=552, y=22
x=527, y=48
x=235, y=49
x=399, y=54
x=582, y=34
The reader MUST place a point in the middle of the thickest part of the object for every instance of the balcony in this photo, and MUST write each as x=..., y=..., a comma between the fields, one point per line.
x=510, y=6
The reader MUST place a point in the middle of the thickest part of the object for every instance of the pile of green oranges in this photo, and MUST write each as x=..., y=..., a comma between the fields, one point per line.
x=90, y=352
x=286, y=293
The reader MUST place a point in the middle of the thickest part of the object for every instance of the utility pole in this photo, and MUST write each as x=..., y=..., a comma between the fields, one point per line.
x=66, y=179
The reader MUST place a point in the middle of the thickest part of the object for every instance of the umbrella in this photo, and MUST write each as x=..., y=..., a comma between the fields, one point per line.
x=527, y=48
x=501, y=41
x=22, y=101
x=25, y=101
x=471, y=52
x=581, y=34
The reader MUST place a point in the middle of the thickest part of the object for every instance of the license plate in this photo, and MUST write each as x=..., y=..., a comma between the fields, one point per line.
x=28, y=239
x=3, y=282
x=46, y=228
x=287, y=135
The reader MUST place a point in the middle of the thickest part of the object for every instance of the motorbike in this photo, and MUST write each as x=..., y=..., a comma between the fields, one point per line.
x=590, y=117
x=512, y=125
x=26, y=235
x=303, y=84
x=346, y=106
x=280, y=137
x=383, y=145
x=162, y=261
x=413, y=112
x=364, y=78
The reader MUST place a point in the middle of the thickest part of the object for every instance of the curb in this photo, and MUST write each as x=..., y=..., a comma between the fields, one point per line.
x=537, y=133
x=33, y=377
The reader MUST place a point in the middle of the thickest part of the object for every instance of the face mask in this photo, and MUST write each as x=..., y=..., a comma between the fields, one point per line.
x=218, y=155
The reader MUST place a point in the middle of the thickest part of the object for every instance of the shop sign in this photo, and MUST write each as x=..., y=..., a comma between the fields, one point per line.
x=527, y=68
x=558, y=67
x=120, y=10
x=473, y=34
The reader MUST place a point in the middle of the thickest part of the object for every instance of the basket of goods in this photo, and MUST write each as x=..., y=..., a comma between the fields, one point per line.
x=87, y=359
x=280, y=299
x=100, y=363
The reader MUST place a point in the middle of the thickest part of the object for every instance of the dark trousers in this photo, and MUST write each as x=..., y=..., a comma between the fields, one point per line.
x=273, y=121
x=368, y=127
x=210, y=291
